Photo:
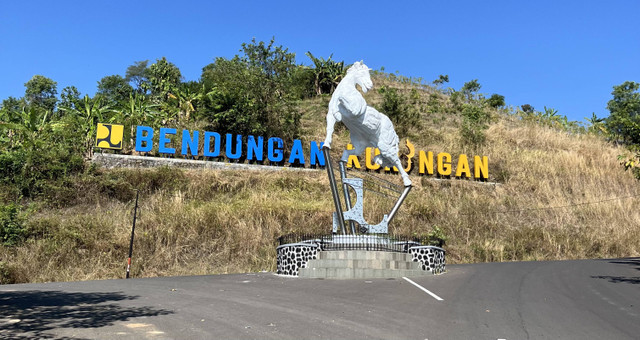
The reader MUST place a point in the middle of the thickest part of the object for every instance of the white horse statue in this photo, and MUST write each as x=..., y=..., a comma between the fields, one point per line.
x=366, y=125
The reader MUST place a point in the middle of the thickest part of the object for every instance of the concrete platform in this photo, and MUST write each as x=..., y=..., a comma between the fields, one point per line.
x=361, y=264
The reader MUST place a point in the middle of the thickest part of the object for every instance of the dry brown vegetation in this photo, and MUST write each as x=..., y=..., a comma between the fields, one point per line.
x=542, y=206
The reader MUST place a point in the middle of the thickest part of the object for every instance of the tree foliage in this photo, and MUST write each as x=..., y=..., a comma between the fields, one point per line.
x=624, y=119
x=526, y=108
x=496, y=101
x=41, y=92
x=137, y=74
x=252, y=93
x=443, y=78
x=114, y=89
x=164, y=77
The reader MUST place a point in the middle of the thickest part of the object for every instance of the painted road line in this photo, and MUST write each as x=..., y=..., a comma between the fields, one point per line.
x=423, y=289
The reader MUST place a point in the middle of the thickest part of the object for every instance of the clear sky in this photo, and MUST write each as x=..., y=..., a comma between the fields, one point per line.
x=563, y=54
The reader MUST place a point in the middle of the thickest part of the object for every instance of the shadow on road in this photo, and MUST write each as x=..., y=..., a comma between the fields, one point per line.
x=33, y=314
x=634, y=261
x=619, y=279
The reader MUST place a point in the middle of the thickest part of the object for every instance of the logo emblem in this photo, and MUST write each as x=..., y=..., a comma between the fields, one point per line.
x=109, y=136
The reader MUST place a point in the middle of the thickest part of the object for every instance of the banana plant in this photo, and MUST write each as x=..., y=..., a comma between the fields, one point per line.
x=137, y=111
x=88, y=114
x=28, y=131
x=183, y=101
x=596, y=125
x=328, y=73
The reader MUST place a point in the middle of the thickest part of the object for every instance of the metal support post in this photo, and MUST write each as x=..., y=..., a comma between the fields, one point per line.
x=398, y=203
x=133, y=229
x=334, y=188
x=347, y=198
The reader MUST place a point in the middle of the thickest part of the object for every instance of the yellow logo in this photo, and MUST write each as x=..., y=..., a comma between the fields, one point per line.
x=109, y=136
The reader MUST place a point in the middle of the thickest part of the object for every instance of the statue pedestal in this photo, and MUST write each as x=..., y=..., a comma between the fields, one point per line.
x=359, y=256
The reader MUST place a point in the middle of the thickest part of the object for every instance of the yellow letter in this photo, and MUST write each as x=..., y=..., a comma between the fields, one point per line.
x=444, y=164
x=481, y=167
x=426, y=162
x=353, y=159
x=463, y=167
x=369, y=160
x=412, y=152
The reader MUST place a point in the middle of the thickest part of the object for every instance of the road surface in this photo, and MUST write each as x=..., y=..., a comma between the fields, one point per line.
x=585, y=299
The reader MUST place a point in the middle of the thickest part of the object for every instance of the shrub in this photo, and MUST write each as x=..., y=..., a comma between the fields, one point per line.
x=12, y=231
x=474, y=123
x=395, y=106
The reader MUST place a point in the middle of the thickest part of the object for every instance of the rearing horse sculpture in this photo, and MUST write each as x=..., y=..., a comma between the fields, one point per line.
x=367, y=127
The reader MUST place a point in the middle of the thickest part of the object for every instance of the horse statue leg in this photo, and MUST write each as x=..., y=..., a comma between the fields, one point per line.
x=405, y=177
x=331, y=122
x=394, y=161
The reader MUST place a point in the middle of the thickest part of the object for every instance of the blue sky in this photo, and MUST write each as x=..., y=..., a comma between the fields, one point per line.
x=561, y=54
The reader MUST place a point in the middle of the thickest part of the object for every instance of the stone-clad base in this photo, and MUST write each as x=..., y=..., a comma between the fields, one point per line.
x=292, y=257
x=430, y=258
x=305, y=260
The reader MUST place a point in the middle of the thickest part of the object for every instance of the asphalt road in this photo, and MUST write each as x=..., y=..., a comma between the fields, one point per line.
x=588, y=299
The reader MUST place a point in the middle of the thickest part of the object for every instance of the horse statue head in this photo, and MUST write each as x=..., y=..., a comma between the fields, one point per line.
x=360, y=73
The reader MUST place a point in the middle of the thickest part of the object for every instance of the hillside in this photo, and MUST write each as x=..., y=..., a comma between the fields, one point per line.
x=552, y=194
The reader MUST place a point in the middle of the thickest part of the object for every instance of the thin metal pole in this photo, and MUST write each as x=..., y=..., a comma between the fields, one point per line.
x=398, y=203
x=133, y=228
x=334, y=188
x=347, y=198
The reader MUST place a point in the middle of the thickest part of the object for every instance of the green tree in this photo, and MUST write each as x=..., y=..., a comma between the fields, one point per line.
x=252, y=93
x=10, y=109
x=70, y=97
x=41, y=92
x=137, y=74
x=496, y=101
x=526, y=108
x=114, y=89
x=624, y=119
x=164, y=77
x=470, y=89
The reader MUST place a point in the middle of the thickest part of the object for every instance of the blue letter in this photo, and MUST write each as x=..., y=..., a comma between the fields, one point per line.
x=147, y=139
x=316, y=153
x=162, y=142
x=207, y=144
x=192, y=143
x=254, y=147
x=238, y=152
x=296, y=152
x=274, y=153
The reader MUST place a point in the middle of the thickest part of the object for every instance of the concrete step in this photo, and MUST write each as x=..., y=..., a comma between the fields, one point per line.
x=363, y=255
x=359, y=273
x=363, y=264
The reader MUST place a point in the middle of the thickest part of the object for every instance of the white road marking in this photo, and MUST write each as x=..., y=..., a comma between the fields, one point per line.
x=423, y=289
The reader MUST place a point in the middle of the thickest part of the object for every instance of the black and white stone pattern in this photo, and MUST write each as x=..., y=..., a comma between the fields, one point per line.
x=292, y=257
x=430, y=258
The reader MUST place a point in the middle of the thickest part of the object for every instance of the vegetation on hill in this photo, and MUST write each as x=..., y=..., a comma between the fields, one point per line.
x=557, y=189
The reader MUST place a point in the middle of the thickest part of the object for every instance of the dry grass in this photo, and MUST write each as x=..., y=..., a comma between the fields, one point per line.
x=203, y=222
